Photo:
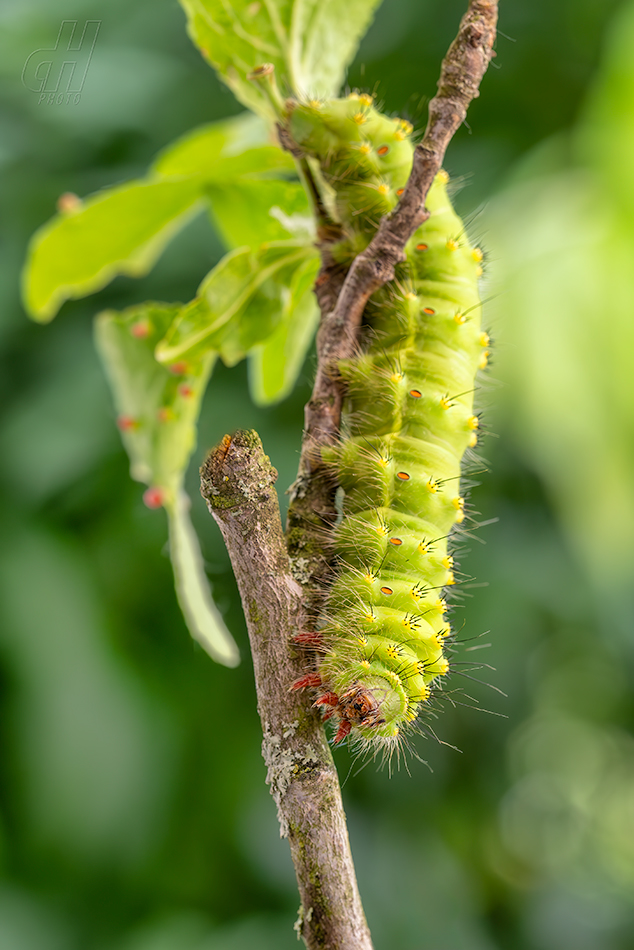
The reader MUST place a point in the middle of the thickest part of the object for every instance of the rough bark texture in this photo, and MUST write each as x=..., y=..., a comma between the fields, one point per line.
x=343, y=298
x=237, y=481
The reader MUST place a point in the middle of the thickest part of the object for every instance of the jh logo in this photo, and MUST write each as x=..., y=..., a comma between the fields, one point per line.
x=59, y=73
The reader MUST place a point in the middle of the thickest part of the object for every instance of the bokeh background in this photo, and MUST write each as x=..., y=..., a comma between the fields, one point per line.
x=133, y=810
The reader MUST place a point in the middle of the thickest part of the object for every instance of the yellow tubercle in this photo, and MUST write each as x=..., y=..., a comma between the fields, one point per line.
x=314, y=104
x=452, y=245
x=404, y=126
x=473, y=422
x=484, y=339
x=432, y=486
x=365, y=664
x=359, y=118
x=447, y=562
x=365, y=148
x=477, y=255
x=440, y=605
x=366, y=99
x=484, y=359
x=473, y=440
x=411, y=714
x=450, y=577
x=460, y=318
x=442, y=177
x=446, y=403
x=383, y=189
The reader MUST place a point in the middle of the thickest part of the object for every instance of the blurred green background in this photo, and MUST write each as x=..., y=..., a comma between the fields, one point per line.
x=133, y=810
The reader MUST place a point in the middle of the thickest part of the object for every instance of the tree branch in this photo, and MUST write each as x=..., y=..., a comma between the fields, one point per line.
x=237, y=480
x=343, y=298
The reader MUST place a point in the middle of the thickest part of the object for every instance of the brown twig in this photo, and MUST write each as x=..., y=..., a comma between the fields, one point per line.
x=343, y=298
x=237, y=480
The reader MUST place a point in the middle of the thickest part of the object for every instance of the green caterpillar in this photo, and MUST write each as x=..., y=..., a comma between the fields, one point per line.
x=408, y=420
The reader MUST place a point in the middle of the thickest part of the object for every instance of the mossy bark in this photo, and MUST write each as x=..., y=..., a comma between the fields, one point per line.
x=238, y=483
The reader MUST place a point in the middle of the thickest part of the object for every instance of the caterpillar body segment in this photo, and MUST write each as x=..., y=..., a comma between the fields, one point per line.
x=408, y=420
x=364, y=157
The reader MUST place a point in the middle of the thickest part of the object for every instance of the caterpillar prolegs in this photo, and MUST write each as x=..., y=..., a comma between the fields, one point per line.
x=408, y=420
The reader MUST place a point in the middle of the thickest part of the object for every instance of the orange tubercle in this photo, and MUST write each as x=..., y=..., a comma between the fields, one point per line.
x=153, y=497
x=127, y=423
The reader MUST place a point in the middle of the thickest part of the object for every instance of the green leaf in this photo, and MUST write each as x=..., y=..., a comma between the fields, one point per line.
x=310, y=42
x=123, y=230
x=325, y=36
x=258, y=212
x=222, y=294
x=158, y=410
x=238, y=304
x=275, y=364
x=223, y=151
x=246, y=208
x=120, y=231
x=158, y=407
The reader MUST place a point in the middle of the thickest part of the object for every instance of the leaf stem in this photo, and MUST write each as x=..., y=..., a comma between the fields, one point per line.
x=327, y=228
x=203, y=618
